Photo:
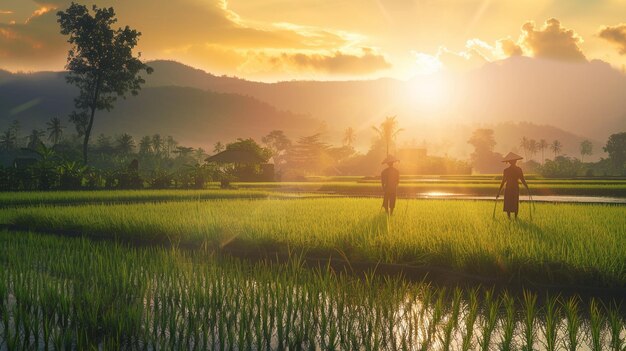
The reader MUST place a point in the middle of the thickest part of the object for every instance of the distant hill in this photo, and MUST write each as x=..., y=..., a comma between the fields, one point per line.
x=193, y=116
x=517, y=97
x=585, y=99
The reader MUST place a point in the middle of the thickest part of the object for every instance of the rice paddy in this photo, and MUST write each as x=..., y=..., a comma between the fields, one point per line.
x=158, y=270
x=60, y=293
x=563, y=244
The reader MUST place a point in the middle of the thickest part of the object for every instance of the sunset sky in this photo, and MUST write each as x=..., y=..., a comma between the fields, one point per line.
x=323, y=39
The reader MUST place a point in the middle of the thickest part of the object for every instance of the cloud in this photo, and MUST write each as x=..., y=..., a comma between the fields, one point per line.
x=552, y=41
x=615, y=35
x=205, y=33
x=336, y=63
x=508, y=48
x=461, y=61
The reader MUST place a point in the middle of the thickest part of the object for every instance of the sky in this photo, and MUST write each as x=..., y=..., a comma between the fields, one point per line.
x=272, y=40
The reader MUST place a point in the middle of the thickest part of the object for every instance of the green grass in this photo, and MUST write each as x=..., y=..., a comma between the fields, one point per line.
x=563, y=244
x=60, y=293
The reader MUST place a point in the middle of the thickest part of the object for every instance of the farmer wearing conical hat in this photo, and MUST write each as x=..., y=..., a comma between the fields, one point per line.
x=389, y=179
x=511, y=176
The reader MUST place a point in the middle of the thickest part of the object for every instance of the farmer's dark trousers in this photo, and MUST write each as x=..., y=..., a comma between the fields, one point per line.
x=389, y=201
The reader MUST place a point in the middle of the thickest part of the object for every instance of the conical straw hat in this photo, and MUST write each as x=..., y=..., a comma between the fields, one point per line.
x=511, y=157
x=390, y=159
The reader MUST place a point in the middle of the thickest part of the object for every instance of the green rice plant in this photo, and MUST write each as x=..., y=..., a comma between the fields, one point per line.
x=452, y=320
x=596, y=324
x=552, y=313
x=470, y=319
x=508, y=324
x=530, y=313
x=616, y=326
x=489, y=320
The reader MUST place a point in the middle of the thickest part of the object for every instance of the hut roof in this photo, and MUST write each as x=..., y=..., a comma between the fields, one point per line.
x=236, y=156
x=8, y=158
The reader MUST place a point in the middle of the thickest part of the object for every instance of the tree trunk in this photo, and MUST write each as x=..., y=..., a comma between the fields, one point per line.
x=87, y=134
x=94, y=104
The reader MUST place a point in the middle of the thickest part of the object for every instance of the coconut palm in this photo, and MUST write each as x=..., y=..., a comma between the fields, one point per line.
x=543, y=144
x=556, y=147
x=55, y=130
x=388, y=131
x=533, y=147
x=524, y=145
x=8, y=140
x=34, y=139
x=125, y=144
x=348, y=137
x=145, y=145
x=157, y=144
x=218, y=147
x=586, y=148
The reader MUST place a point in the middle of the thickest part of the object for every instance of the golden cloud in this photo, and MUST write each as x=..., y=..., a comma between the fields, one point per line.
x=339, y=63
x=552, y=41
x=615, y=35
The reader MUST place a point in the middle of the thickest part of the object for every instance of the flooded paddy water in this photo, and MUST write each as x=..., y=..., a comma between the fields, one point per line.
x=76, y=294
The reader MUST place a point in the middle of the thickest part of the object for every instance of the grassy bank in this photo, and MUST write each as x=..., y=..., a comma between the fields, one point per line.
x=563, y=244
x=76, y=294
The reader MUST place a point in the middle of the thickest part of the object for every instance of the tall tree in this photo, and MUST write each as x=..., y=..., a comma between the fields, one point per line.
x=533, y=147
x=556, y=147
x=100, y=62
x=125, y=144
x=484, y=159
x=348, y=137
x=170, y=145
x=34, y=139
x=55, y=130
x=278, y=143
x=387, y=131
x=586, y=149
x=524, y=143
x=8, y=140
x=616, y=148
x=543, y=144
x=145, y=145
x=157, y=144
x=218, y=147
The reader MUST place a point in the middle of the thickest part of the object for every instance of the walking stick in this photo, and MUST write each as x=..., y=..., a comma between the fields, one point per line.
x=495, y=204
x=530, y=203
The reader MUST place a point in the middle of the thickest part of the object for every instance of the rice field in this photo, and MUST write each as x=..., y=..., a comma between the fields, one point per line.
x=73, y=293
x=567, y=244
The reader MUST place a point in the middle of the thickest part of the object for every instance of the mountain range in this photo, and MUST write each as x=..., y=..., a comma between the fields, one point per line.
x=516, y=97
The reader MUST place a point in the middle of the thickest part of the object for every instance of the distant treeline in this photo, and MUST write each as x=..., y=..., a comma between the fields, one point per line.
x=49, y=159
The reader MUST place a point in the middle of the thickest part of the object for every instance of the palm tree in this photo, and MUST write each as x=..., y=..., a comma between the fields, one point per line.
x=586, y=148
x=145, y=145
x=218, y=147
x=556, y=147
x=157, y=144
x=524, y=144
x=55, y=130
x=125, y=143
x=170, y=145
x=533, y=147
x=388, y=131
x=543, y=144
x=8, y=140
x=348, y=137
x=34, y=139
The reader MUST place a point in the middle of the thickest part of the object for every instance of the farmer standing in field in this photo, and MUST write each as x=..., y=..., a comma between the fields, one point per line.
x=511, y=176
x=389, y=179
